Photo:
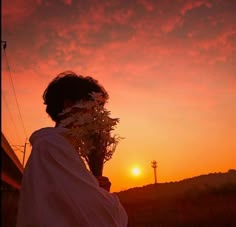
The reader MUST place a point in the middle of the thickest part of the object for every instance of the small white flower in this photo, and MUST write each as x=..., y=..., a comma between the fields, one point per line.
x=87, y=121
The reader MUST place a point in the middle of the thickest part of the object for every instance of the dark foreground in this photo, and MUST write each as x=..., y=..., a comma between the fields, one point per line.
x=208, y=200
x=204, y=201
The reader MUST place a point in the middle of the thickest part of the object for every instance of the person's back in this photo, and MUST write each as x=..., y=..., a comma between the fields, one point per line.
x=58, y=190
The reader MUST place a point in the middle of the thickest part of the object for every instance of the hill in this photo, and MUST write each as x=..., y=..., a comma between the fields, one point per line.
x=206, y=200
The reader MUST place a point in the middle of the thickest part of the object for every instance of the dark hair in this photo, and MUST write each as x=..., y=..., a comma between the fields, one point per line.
x=69, y=86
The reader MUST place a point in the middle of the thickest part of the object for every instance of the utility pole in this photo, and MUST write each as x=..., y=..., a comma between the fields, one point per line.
x=4, y=44
x=23, y=162
x=154, y=166
x=23, y=151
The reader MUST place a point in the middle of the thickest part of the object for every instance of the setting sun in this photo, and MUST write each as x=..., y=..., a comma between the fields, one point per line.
x=136, y=171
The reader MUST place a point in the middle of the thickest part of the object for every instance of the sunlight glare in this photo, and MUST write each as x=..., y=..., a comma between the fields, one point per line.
x=136, y=171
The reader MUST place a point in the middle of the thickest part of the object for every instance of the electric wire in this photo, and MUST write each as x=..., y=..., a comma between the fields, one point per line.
x=10, y=115
x=17, y=103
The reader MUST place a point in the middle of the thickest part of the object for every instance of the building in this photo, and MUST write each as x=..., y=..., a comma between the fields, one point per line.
x=11, y=176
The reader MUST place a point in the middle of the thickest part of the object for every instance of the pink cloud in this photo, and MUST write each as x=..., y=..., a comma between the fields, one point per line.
x=149, y=6
x=67, y=2
x=193, y=53
x=17, y=11
x=191, y=4
x=41, y=41
x=123, y=16
x=222, y=45
x=217, y=59
x=74, y=45
x=171, y=23
x=39, y=2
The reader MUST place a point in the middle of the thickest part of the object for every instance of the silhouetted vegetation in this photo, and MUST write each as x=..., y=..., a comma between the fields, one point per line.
x=207, y=200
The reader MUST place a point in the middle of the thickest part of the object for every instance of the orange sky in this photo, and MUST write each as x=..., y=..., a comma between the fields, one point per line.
x=169, y=67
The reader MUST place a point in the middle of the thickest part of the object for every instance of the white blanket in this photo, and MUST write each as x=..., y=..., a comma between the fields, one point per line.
x=58, y=191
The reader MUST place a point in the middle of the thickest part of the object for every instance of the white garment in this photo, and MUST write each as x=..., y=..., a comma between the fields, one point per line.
x=58, y=191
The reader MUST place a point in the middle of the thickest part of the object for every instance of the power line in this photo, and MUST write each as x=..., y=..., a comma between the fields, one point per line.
x=4, y=43
x=9, y=113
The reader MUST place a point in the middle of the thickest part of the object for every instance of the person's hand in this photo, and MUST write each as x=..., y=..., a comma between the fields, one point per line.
x=104, y=182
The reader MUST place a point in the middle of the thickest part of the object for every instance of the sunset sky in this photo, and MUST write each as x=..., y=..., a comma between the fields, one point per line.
x=168, y=66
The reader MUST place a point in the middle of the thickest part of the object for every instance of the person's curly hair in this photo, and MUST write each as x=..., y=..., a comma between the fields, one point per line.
x=69, y=86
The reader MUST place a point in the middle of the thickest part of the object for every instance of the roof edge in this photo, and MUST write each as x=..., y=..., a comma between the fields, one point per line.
x=7, y=148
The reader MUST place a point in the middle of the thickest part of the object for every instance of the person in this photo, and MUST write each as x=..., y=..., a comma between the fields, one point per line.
x=57, y=189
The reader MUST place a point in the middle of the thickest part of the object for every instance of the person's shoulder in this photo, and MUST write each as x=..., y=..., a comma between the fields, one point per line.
x=46, y=134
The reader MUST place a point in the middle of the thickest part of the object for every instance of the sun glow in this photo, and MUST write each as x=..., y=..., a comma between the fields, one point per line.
x=136, y=171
